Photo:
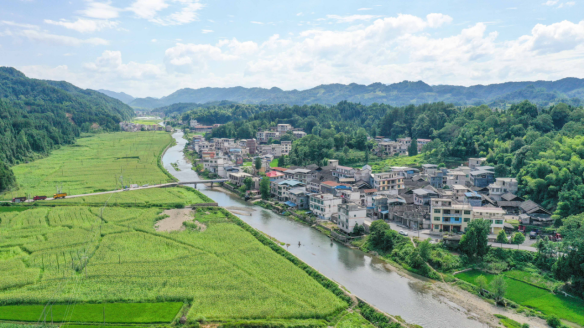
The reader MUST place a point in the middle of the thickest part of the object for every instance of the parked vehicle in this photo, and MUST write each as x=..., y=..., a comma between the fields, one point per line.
x=60, y=196
x=19, y=199
x=556, y=237
x=532, y=235
x=404, y=233
x=39, y=197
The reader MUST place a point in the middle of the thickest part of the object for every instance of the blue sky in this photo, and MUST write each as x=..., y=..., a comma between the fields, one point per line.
x=154, y=47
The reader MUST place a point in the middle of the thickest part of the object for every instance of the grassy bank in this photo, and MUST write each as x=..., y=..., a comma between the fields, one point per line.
x=96, y=163
x=568, y=308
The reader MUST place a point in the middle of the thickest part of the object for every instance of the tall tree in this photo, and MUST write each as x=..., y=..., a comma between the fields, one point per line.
x=258, y=163
x=413, y=148
x=265, y=188
x=474, y=242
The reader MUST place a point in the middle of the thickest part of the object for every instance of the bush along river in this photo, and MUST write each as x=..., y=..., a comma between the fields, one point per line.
x=363, y=275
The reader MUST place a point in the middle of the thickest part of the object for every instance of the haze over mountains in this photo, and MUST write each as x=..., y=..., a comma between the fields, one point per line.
x=569, y=90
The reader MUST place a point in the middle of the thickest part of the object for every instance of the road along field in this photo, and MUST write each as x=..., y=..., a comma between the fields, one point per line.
x=97, y=163
x=78, y=256
x=161, y=197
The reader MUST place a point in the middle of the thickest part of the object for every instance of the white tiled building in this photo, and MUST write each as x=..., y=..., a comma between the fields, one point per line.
x=324, y=205
x=351, y=214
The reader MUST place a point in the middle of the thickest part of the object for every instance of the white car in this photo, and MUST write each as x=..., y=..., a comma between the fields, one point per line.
x=404, y=233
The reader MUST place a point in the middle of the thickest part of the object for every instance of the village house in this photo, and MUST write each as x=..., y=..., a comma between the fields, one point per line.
x=449, y=216
x=324, y=205
x=237, y=178
x=298, y=197
x=387, y=182
x=350, y=214
x=501, y=186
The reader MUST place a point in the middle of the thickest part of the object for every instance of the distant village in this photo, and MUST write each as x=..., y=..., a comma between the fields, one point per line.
x=440, y=200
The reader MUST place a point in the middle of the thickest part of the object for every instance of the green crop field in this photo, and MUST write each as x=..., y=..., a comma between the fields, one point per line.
x=95, y=164
x=150, y=122
x=153, y=196
x=96, y=313
x=80, y=256
x=566, y=308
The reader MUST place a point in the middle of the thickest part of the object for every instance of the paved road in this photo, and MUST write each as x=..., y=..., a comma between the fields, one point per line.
x=114, y=191
x=424, y=234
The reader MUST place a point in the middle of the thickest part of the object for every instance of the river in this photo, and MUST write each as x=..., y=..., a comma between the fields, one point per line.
x=363, y=275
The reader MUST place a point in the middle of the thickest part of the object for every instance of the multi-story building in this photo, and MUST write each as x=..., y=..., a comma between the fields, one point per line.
x=429, y=169
x=264, y=136
x=501, y=186
x=251, y=145
x=482, y=178
x=476, y=162
x=193, y=123
x=423, y=196
x=237, y=178
x=343, y=172
x=388, y=181
x=421, y=142
x=299, y=197
x=300, y=174
x=473, y=198
x=391, y=149
x=459, y=191
x=283, y=127
x=407, y=141
x=449, y=216
x=324, y=205
x=456, y=177
x=286, y=147
x=298, y=133
x=351, y=214
x=405, y=172
x=215, y=165
x=285, y=186
x=493, y=214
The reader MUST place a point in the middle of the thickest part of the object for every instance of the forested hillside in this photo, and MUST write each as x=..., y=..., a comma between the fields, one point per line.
x=37, y=116
x=544, y=93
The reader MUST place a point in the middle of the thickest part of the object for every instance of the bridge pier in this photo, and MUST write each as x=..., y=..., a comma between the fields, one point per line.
x=211, y=184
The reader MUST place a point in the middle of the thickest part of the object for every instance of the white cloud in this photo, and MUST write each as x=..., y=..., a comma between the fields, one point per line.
x=26, y=26
x=111, y=64
x=550, y=2
x=387, y=50
x=552, y=38
x=256, y=22
x=149, y=9
x=84, y=25
x=437, y=20
x=566, y=4
x=206, y=31
x=100, y=10
x=54, y=39
x=352, y=18
x=153, y=40
x=361, y=9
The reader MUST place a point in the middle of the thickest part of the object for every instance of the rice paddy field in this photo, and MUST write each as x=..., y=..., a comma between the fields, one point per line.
x=81, y=262
x=147, y=121
x=95, y=163
x=153, y=196
x=567, y=308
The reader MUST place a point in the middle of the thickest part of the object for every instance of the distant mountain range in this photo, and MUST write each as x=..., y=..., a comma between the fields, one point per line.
x=120, y=96
x=569, y=90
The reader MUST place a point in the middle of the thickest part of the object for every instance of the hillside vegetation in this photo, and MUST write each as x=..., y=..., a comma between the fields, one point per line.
x=39, y=116
x=568, y=90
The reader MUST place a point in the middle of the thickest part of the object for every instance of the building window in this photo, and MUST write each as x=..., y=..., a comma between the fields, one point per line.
x=498, y=221
x=466, y=220
x=437, y=219
x=436, y=211
x=436, y=227
x=467, y=212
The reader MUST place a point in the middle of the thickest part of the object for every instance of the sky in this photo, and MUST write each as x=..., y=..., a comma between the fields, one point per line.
x=155, y=47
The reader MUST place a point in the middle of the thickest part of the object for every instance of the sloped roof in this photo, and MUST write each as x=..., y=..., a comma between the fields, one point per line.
x=279, y=169
x=531, y=207
x=511, y=197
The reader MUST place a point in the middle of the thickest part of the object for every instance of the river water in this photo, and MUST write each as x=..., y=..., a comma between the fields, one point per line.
x=363, y=275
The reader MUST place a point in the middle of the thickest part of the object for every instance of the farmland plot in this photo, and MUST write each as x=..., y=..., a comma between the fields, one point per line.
x=224, y=273
x=95, y=163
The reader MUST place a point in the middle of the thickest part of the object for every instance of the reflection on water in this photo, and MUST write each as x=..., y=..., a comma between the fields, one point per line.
x=362, y=274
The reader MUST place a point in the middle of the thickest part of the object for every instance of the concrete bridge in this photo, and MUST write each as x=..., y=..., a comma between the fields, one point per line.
x=204, y=181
